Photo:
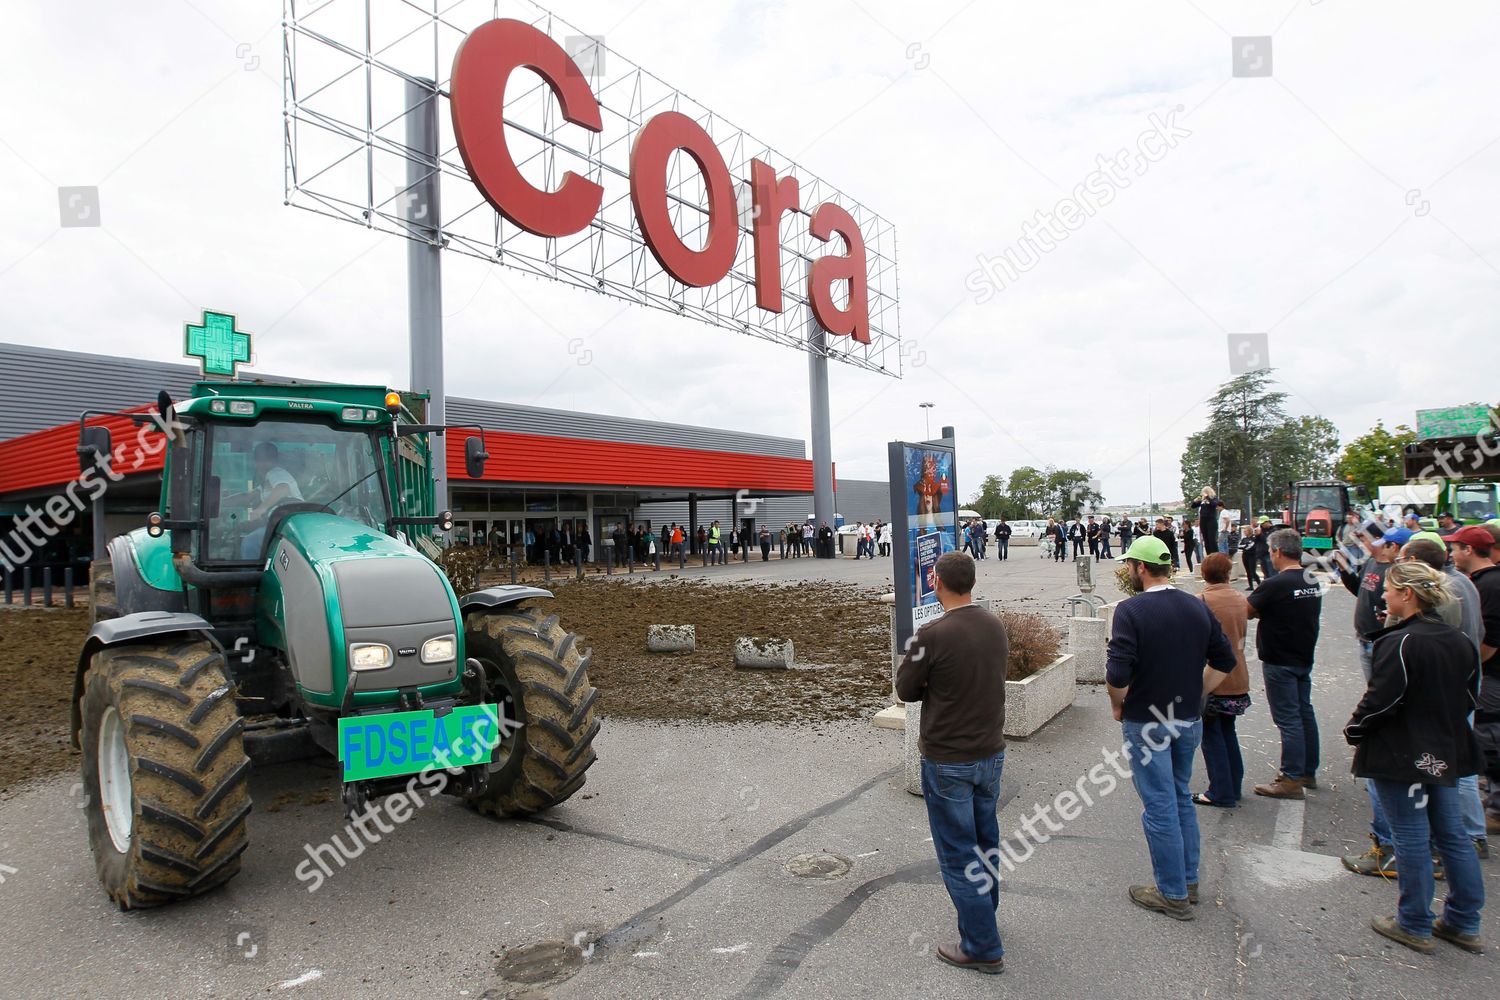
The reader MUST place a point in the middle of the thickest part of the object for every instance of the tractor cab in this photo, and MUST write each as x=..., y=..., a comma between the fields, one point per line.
x=1319, y=508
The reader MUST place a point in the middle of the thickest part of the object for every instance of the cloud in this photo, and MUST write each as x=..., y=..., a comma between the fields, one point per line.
x=1285, y=211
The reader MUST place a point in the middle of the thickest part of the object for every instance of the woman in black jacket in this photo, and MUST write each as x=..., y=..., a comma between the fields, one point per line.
x=1411, y=736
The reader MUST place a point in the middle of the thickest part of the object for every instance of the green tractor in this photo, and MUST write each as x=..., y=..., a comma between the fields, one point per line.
x=280, y=603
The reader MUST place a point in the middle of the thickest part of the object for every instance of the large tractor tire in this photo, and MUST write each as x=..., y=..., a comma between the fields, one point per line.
x=164, y=771
x=535, y=671
x=103, y=601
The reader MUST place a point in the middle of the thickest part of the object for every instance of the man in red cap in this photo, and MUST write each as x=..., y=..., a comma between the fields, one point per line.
x=1473, y=549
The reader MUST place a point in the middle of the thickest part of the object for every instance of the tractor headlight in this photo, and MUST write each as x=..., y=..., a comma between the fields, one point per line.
x=370, y=656
x=439, y=650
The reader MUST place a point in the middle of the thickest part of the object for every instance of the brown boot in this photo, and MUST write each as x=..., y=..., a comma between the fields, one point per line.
x=1282, y=788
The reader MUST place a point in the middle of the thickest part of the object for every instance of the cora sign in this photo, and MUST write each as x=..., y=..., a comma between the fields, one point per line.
x=484, y=63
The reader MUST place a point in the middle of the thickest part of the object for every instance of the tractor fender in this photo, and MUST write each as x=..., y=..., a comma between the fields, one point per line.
x=499, y=597
x=127, y=628
x=133, y=591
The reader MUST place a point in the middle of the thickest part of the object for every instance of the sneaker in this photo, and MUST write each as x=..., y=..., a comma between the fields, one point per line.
x=1390, y=928
x=1468, y=942
x=1148, y=897
x=1482, y=848
x=1193, y=893
x=1282, y=788
x=1378, y=860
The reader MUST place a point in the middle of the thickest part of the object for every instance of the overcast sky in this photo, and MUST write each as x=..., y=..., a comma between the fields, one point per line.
x=1345, y=205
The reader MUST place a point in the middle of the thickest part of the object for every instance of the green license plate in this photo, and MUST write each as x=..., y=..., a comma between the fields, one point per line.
x=396, y=743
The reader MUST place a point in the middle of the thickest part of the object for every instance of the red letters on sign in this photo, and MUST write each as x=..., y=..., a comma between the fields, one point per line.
x=482, y=66
x=654, y=145
x=854, y=319
x=772, y=197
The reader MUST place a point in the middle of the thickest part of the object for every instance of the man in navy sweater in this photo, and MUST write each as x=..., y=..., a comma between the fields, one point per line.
x=1157, y=683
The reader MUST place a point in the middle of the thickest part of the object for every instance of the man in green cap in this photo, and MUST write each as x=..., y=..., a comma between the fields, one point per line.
x=1157, y=681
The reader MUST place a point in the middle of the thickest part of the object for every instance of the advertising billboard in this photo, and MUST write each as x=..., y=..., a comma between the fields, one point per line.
x=924, y=525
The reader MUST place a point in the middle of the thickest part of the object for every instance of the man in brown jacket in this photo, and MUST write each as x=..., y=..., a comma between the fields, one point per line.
x=955, y=666
x=1221, y=745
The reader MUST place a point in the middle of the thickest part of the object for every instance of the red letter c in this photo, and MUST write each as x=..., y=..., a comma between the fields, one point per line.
x=481, y=69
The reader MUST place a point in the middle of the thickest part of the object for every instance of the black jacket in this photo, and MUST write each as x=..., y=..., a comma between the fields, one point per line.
x=1412, y=725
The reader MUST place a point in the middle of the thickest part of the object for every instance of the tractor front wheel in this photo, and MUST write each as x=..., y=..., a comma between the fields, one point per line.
x=534, y=670
x=164, y=771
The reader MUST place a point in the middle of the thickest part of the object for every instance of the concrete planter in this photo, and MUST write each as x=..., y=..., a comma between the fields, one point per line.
x=1032, y=703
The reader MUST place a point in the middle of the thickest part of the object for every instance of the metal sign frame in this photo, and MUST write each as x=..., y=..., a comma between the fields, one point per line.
x=348, y=67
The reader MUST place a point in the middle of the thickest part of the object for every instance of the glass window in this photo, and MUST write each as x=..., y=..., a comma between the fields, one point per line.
x=540, y=501
x=1329, y=498
x=471, y=500
x=257, y=467
x=571, y=501
x=1474, y=501
x=508, y=502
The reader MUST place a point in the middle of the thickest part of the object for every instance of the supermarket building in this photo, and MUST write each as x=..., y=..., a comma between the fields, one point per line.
x=547, y=467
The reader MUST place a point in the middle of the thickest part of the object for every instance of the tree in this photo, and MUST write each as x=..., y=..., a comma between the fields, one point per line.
x=1069, y=491
x=1251, y=449
x=1027, y=489
x=991, y=500
x=1374, y=459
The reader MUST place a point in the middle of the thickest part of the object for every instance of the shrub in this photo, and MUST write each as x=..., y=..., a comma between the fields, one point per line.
x=1034, y=643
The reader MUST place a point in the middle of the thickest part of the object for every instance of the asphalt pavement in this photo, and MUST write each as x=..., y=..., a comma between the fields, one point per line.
x=744, y=861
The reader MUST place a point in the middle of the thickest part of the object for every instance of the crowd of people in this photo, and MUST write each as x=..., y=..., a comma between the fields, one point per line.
x=1427, y=623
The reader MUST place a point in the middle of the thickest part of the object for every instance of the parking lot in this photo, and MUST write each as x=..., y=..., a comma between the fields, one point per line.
x=737, y=859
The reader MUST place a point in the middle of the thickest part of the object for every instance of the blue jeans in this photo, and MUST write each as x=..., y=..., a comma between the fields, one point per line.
x=1161, y=767
x=961, y=810
x=1424, y=817
x=1289, y=696
x=1002, y=548
x=1221, y=758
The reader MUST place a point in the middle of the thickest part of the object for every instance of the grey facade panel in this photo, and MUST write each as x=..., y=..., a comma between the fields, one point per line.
x=44, y=388
x=857, y=500
x=519, y=419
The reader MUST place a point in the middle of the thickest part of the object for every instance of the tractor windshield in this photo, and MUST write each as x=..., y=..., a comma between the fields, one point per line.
x=1329, y=498
x=255, y=468
x=1474, y=501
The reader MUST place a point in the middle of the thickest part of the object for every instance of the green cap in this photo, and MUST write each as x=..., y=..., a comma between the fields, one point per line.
x=1264, y=519
x=1149, y=549
x=1428, y=536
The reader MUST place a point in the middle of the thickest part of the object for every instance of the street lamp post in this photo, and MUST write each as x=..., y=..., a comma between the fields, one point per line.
x=927, y=418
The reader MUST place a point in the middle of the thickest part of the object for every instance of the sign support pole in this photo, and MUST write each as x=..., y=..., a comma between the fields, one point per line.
x=822, y=433
x=424, y=268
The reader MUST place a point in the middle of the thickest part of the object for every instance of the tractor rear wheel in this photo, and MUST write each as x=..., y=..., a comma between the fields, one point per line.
x=103, y=601
x=164, y=771
x=536, y=673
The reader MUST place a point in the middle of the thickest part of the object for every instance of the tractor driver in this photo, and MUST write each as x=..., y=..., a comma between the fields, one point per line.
x=277, y=486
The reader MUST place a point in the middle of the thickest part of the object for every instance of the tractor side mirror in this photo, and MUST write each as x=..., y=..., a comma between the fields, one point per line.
x=94, y=447
x=475, y=457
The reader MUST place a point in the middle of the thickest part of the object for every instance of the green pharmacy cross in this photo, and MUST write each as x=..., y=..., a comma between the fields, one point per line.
x=217, y=344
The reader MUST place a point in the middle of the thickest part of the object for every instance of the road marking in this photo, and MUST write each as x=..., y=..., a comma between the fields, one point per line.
x=733, y=949
x=1291, y=815
x=306, y=977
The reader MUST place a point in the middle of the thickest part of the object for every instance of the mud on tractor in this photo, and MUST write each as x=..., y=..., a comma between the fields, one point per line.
x=279, y=604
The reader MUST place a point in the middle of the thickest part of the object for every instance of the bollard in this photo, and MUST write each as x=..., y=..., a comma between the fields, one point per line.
x=546, y=565
x=578, y=562
x=1087, y=638
x=46, y=586
x=513, y=568
x=756, y=652
x=68, y=587
x=630, y=559
x=26, y=586
x=671, y=638
x=10, y=587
